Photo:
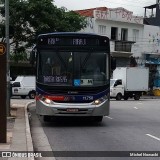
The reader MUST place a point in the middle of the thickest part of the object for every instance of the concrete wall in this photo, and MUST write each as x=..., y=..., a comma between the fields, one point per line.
x=118, y=14
x=151, y=40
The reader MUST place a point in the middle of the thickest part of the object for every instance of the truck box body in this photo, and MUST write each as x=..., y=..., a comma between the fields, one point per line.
x=133, y=78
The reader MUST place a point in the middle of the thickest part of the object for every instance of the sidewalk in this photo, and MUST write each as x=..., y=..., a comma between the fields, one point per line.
x=18, y=131
x=150, y=97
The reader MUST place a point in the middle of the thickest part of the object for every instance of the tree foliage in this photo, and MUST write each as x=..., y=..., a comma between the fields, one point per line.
x=28, y=18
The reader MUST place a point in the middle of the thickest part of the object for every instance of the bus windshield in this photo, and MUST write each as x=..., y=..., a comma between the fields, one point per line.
x=67, y=68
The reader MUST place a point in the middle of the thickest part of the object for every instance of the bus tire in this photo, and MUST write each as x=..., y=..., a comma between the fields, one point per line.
x=119, y=97
x=46, y=118
x=23, y=96
x=32, y=94
x=98, y=118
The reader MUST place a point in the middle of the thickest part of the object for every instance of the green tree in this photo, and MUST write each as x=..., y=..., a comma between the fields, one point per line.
x=28, y=18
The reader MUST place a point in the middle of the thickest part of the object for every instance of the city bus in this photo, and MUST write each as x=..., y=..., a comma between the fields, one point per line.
x=72, y=75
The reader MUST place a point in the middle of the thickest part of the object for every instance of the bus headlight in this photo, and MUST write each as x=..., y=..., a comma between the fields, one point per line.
x=48, y=101
x=45, y=99
x=100, y=100
x=97, y=102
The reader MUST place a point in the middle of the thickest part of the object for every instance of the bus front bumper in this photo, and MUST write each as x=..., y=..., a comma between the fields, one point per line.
x=72, y=109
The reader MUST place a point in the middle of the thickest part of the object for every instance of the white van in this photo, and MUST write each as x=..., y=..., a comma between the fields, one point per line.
x=24, y=86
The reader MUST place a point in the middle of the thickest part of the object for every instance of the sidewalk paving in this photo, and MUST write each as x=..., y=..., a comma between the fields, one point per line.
x=18, y=131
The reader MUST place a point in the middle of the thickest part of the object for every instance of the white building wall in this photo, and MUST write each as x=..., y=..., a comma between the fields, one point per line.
x=148, y=41
x=119, y=25
x=119, y=18
x=136, y=49
x=90, y=28
x=118, y=14
x=151, y=40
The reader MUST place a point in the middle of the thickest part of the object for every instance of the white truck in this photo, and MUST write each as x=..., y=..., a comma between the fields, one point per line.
x=129, y=82
x=24, y=86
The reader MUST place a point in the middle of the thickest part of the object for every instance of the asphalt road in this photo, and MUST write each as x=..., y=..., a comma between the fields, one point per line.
x=131, y=126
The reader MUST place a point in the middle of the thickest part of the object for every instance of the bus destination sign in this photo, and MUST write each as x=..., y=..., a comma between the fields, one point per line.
x=74, y=41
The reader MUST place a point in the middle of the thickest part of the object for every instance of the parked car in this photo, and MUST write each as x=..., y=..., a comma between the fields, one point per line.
x=24, y=86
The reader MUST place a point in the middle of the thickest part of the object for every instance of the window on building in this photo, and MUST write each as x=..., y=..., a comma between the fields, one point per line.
x=102, y=30
x=135, y=35
x=114, y=33
x=124, y=34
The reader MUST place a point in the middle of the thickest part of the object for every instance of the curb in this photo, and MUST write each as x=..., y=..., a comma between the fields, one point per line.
x=28, y=131
x=150, y=97
x=29, y=142
x=39, y=138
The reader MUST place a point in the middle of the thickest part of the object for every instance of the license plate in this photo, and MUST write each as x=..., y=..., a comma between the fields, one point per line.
x=72, y=110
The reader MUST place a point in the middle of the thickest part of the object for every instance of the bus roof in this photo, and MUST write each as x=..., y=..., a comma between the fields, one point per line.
x=70, y=33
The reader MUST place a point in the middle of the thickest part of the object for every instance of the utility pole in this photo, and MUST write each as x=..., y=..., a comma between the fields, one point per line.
x=8, y=55
x=3, y=119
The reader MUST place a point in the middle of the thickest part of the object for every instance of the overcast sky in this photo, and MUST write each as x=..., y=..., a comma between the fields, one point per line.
x=136, y=6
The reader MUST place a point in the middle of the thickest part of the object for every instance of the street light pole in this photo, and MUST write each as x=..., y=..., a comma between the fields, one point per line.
x=8, y=55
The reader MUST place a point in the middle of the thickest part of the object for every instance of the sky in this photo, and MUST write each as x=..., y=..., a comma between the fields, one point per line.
x=136, y=6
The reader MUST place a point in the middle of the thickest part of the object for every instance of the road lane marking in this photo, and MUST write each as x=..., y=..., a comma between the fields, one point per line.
x=153, y=137
x=135, y=108
x=109, y=117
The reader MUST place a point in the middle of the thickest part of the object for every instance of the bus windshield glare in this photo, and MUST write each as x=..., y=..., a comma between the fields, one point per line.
x=73, y=68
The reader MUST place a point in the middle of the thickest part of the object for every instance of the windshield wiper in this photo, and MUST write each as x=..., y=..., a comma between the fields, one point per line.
x=85, y=60
x=61, y=59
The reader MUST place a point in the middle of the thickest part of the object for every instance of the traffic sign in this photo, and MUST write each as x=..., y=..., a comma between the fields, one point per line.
x=2, y=48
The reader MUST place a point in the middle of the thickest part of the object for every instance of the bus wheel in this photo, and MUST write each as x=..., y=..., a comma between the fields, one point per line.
x=23, y=97
x=98, y=118
x=32, y=94
x=119, y=97
x=46, y=118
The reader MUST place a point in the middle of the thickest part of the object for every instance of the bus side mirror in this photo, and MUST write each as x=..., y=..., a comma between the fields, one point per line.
x=32, y=57
x=113, y=63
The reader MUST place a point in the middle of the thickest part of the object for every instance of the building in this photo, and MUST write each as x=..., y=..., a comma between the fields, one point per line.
x=151, y=49
x=130, y=36
x=123, y=28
